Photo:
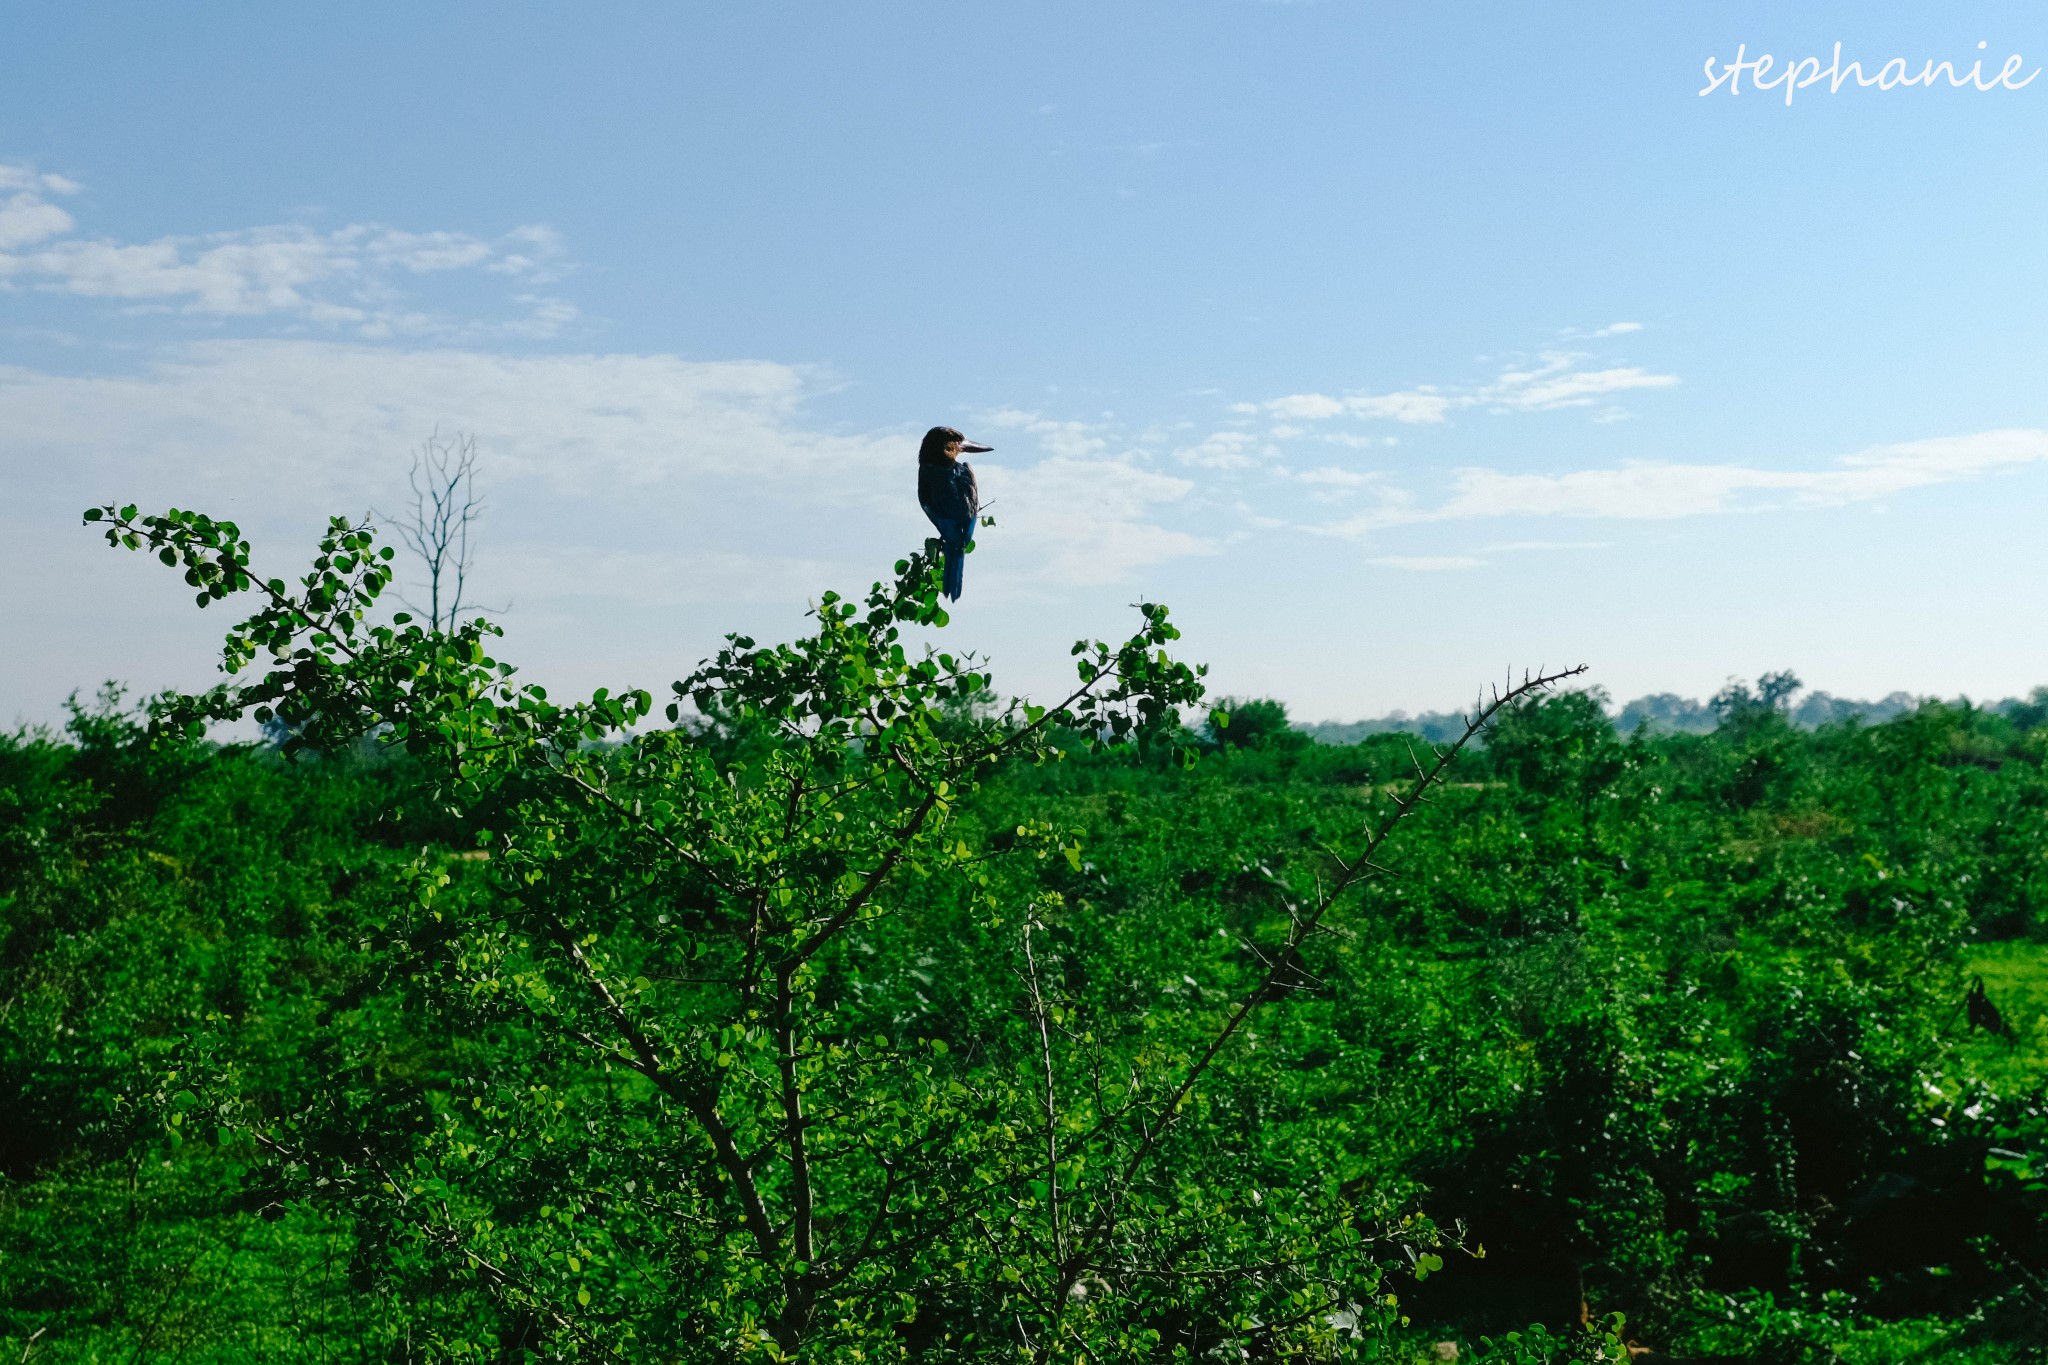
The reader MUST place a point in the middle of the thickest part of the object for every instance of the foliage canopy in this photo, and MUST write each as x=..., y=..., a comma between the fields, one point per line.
x=850, y=1016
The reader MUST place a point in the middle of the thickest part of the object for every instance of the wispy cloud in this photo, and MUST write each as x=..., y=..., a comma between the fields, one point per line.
x=1082, y=522
x=541, y=573
x=1222, y=450
x=1558, y=382
x=1428, y=563
x=14, y=175
x=1085, y=515
x=323, y=420
x=1559, y=379
x=27, y=215
x=1072, y=439
x=1661, y=492
x=1333, y=483
x=709, y=451
x=1332, y=476
x=1416, y=405
x=348, y=278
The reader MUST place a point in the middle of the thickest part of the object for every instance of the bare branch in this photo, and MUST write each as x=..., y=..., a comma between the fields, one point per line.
x=1052, y=1141
x=445, y=508
x=1105, y=1220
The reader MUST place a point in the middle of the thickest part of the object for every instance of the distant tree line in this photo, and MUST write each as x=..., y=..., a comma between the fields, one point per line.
x=1669, y=713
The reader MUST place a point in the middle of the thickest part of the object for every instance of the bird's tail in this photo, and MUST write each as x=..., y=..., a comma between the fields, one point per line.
x=956, y=567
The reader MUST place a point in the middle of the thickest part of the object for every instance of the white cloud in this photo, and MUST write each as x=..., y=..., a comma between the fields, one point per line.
x=1887, y=469
x=1330, y=483
x=717, y=455
x=15, y=176
x=341, y=278
x=539, y=572
x=1663, y=491
x=1428, y=563
x=535, y=250
x=325, y=415
x=1080, y=522
x=1658, y=492
x=1306, y=407
x=1615, y=329
x=1556, y=382
x=1518, y=545
x=1221, y=450
x=1071, y=439
x=1633, y=491
x=1339, y=478
x=1083, y=517
x=27, y=218
x=1418, y=405
x=1391, y=506
x=26, y=215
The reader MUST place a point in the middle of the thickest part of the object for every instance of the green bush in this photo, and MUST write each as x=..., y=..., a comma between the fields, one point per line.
x=853, y=1016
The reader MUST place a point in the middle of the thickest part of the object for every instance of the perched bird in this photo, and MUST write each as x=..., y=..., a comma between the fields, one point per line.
x=946, y=491
x=1984, y=1014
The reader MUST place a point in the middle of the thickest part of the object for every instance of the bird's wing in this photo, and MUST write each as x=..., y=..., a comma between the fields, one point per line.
x=972, y=493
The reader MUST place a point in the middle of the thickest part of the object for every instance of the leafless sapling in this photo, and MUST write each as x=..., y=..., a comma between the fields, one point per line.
x=445, y=508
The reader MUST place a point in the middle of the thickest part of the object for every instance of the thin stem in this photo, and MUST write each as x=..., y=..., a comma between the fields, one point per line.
x=702, y=1106
x=1301, y=928
x=797, y=1308
x=1052, y=1146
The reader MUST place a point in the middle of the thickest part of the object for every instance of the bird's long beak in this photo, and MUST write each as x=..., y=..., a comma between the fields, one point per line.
x=974, y=448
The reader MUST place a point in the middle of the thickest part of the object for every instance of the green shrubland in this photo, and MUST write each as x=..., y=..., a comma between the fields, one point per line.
x=833, y=1011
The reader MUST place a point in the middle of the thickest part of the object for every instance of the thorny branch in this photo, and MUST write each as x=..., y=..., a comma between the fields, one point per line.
x=1352, y=871
x=1052, y=1141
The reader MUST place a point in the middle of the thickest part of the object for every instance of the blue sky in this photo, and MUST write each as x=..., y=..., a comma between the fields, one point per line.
x=1394, y=346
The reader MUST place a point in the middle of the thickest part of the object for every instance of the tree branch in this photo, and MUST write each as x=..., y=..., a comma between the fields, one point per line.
x=1301, y=928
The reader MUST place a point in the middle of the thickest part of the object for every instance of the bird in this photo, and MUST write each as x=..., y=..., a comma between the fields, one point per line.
x=1984, y=1014
x=947, y=492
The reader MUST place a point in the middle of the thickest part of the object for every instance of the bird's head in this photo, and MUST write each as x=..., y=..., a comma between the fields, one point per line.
x=942, y=444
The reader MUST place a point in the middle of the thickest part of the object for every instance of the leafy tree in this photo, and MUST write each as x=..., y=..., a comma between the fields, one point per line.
x=1773, y=691
x=1252, y=723
x=1126, y=1056
x=682, y=1104
x=1557, y=746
